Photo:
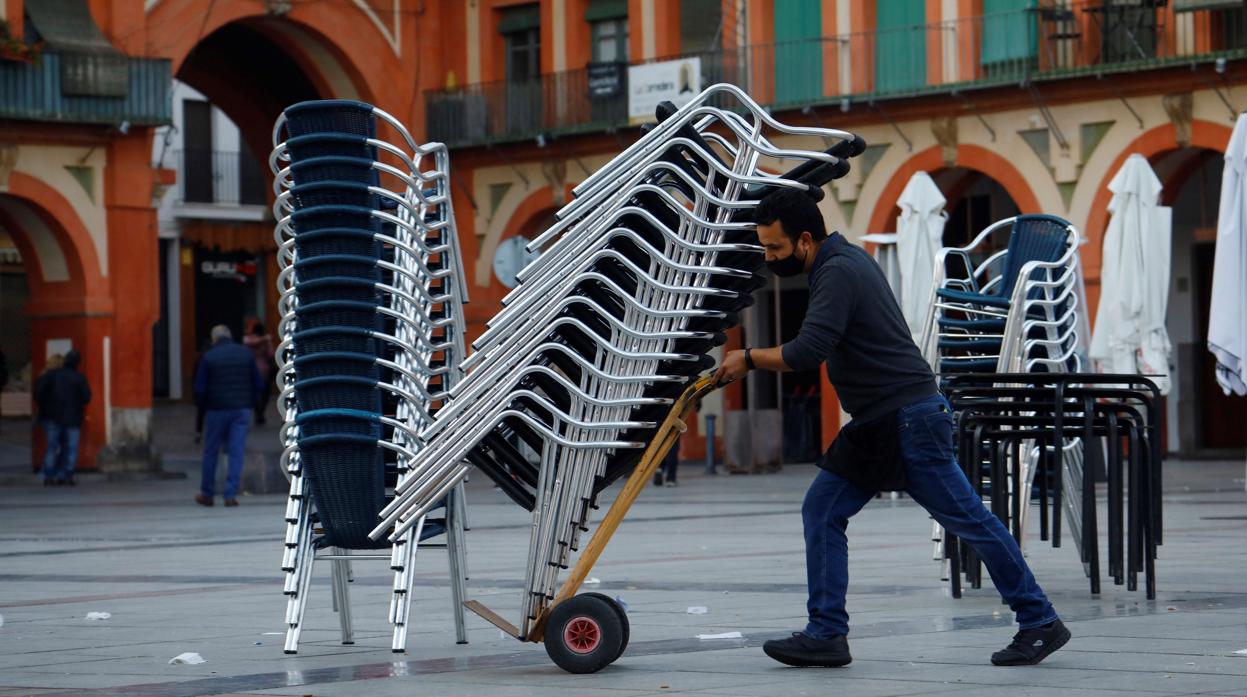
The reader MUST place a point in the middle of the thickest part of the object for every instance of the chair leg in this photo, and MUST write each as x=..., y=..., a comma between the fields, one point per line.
x=460, y=500
x=334, y=600
x=458, y=563
x=300, y=585
x=342, y=598
x=403, y=561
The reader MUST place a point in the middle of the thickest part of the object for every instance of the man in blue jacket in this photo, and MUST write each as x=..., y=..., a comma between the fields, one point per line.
x=900, y=437
x=227, y=386
x=62, y=394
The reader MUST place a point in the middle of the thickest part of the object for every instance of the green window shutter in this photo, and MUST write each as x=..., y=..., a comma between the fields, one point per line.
x=606, y=9
x=520, y=18
x=900, y=45
x=1194, y=5
x=1009, y=32
x=798, y=51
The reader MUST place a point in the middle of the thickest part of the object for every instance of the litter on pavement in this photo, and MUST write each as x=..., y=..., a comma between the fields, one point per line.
x=724, y=635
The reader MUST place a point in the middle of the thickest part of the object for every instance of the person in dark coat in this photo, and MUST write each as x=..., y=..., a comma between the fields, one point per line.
x=62, y=395
x=260, y=343
x=227, y=386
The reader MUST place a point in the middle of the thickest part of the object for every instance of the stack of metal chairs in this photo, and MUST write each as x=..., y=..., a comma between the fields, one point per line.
x=635, y=284
x=1012, y=307
x=999, y=414
x=372, y=334
x=1019, y=309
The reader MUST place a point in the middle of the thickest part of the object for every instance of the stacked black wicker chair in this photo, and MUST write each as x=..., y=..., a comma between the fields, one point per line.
x=635, y=284
x=1033, y=417
x=372, y=328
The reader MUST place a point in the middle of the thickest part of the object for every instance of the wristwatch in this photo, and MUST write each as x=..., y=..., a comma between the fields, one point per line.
x=749, y=359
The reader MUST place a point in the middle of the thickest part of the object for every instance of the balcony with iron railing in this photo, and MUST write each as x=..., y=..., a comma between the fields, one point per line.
x=1051, y=41
x=62, y=87
x=209, y=179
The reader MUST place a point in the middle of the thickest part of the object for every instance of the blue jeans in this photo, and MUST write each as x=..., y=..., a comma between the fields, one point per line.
x=937, y=483
x=61, y=456
x=227, y=427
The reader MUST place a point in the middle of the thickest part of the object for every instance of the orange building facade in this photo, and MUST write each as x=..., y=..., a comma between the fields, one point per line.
x=1012, y=105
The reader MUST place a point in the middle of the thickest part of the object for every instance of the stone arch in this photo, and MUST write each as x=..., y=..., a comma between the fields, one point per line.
x=313, y=31
x=252, y=63
x=60, y=246
x=70, y=299
x=1154, y=142
x=970, y=157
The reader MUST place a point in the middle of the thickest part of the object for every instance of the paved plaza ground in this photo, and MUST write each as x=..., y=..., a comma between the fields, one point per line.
x=176, y=578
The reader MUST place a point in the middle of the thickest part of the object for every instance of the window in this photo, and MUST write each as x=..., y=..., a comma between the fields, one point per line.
x=610, y=40
x=1009, y=38
x=798, y=51
x=1127, y=31
x=608, y=25
x=523, y=55
x=197, y=169
x=520, y=27
x=900, y=45
x=701, y=25
x=1229, y=28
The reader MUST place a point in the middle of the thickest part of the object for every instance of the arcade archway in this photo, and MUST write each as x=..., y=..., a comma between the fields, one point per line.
x=54, y=300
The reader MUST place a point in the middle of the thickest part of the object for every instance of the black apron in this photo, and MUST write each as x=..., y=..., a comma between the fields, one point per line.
x=868, y=454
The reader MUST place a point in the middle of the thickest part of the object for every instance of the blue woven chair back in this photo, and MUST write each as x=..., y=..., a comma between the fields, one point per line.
x=1033, y=238
x=335, y=352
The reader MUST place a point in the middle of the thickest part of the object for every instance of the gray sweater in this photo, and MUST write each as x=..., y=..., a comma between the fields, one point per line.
x=856, y=326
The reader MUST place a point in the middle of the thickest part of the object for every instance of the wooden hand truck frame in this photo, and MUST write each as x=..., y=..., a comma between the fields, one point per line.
x=585, y=633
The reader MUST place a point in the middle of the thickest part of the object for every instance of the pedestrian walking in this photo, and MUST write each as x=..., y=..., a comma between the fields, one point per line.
x=227, y=385
x=900, y=437
x=62, y=395
x=261, y=345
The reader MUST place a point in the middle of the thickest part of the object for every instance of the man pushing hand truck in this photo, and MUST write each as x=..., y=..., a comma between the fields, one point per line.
x=899, y=439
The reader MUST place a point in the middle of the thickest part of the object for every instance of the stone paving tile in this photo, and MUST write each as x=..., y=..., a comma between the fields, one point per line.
x=179, y=578
x=414, y=688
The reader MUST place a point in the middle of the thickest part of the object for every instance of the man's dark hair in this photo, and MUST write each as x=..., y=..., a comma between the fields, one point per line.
x=72, y=359
x=796, y=210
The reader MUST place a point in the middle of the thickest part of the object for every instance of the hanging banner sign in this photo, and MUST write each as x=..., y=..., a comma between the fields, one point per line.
x=676, y=81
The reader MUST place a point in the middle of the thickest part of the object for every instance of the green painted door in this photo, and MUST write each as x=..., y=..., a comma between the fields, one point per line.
x=900, y=46
x=798, y=51
x=1010, y=39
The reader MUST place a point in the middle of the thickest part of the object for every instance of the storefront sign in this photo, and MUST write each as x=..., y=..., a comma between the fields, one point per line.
x=677, y=81
x=238, y=271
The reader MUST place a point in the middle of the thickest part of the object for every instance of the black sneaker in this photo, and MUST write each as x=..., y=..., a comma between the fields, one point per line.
x=802, y=650
x=1031, y=646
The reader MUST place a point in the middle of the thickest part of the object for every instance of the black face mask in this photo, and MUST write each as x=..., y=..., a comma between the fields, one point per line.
x=788, y=266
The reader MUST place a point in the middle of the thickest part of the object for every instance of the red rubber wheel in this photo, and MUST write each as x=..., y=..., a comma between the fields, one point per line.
x=623, y=621
x=583, y=634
